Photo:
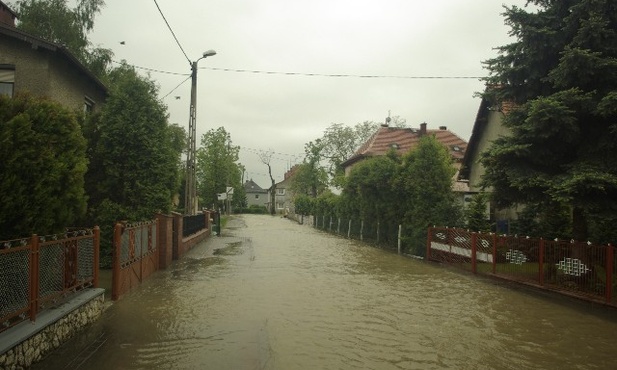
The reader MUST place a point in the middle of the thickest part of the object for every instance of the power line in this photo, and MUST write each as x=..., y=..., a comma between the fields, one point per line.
x=153, y=70
x=306, y=74
x=174, y=89
x=296, y=158
x=338, y=75
x=172, y=31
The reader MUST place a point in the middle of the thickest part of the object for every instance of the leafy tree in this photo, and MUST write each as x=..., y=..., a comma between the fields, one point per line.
x=326, y=205
x=135, y=170
x=217, y=166
x=370, y=188
x=54, y=21
x=42, y=169
x=561, y=72
x=310, y=178
x=426, y=179
x=303, y=205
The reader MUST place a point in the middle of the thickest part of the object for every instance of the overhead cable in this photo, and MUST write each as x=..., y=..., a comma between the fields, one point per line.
x=172, y=31
x=308, y=74
x=336, y=75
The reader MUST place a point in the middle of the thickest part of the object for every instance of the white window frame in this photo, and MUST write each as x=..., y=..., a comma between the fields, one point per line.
x=88, y=105
x=7, y=80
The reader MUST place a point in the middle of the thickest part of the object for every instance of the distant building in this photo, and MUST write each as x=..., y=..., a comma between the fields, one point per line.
x=402, y=140
x=255, y=195
x=284, y=197
x=29, y=64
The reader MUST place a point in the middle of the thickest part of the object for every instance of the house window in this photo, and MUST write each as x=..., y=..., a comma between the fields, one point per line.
x=7, y=80
x=256, y=196
x=280, y=191
x=88, y=105
x=280, y=205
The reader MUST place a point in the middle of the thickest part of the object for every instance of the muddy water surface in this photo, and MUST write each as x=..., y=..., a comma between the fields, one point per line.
x=271, y=294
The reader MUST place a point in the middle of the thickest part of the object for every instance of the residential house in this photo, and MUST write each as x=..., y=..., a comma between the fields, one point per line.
x=284, y=196
x=29, y=64
x=487, y=127
x=405, y=139
x=255, y=195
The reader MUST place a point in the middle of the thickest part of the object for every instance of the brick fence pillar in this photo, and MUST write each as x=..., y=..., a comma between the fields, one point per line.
x=165, y=239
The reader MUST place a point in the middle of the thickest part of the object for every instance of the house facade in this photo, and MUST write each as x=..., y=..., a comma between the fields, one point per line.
x=32, y=65
x=284, y=196
x=487, y=128
x=255, y=195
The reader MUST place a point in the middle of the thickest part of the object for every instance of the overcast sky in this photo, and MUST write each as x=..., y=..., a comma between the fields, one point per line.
x=280, y=112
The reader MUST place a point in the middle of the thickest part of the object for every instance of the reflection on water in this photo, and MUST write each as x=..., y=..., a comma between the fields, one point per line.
x=276, y=295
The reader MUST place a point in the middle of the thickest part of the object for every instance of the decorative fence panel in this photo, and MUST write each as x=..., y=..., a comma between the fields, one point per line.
x=135, y=255
x=571, y=268
x=39, y=271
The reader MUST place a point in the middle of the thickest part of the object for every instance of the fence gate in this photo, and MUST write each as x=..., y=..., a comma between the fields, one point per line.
x=135, y=255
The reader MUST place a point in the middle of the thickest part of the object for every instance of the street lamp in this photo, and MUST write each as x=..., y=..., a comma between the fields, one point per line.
x=190, y=190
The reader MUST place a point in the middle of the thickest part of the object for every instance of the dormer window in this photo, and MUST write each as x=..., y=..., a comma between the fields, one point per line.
x=456, y=148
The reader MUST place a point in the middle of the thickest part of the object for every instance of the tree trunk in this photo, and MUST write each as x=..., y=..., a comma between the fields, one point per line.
x=272, y=197
x=579, y=225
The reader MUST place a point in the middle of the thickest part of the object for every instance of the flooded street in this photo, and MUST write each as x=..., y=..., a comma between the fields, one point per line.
x=271, y=294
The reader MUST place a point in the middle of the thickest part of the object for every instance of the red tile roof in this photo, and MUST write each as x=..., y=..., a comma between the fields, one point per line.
x=405, y=139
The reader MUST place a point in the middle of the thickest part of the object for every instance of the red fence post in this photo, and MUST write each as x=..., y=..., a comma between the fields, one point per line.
x=494, y=253
x=34, y=276
x=541, y=263
x=428, y=244
x=115, y=275
x=610, y=258
x=96, y=245
x=474, y=253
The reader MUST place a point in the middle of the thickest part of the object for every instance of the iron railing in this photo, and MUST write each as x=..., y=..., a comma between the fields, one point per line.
x=39, y=271
x=572, y=268
x=193, y=224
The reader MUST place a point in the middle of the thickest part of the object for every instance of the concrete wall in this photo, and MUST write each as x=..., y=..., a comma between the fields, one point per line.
x=27, y=343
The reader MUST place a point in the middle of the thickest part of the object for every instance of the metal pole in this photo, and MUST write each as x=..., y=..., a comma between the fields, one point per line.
x=399, y=238
x=190, y=190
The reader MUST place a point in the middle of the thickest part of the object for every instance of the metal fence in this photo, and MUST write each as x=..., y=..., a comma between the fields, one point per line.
x=39, y=271
x=384, y=235
x=135, y=255
x=577, y=269
x=194, y=224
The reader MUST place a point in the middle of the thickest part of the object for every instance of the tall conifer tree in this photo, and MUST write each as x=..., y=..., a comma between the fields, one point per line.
x=561, y=74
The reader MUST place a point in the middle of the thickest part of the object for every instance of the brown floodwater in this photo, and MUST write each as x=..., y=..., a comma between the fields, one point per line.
x=272, y=294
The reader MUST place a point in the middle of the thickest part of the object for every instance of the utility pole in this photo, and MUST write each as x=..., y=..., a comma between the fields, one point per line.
x=190, y=190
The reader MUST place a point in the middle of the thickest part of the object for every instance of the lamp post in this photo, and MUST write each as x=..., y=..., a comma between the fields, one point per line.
x=190, y=190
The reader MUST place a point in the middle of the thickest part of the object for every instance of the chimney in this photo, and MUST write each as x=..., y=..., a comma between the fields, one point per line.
x=7, y=16
x=422, y=129
x=443, y=128
x=387, y=123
